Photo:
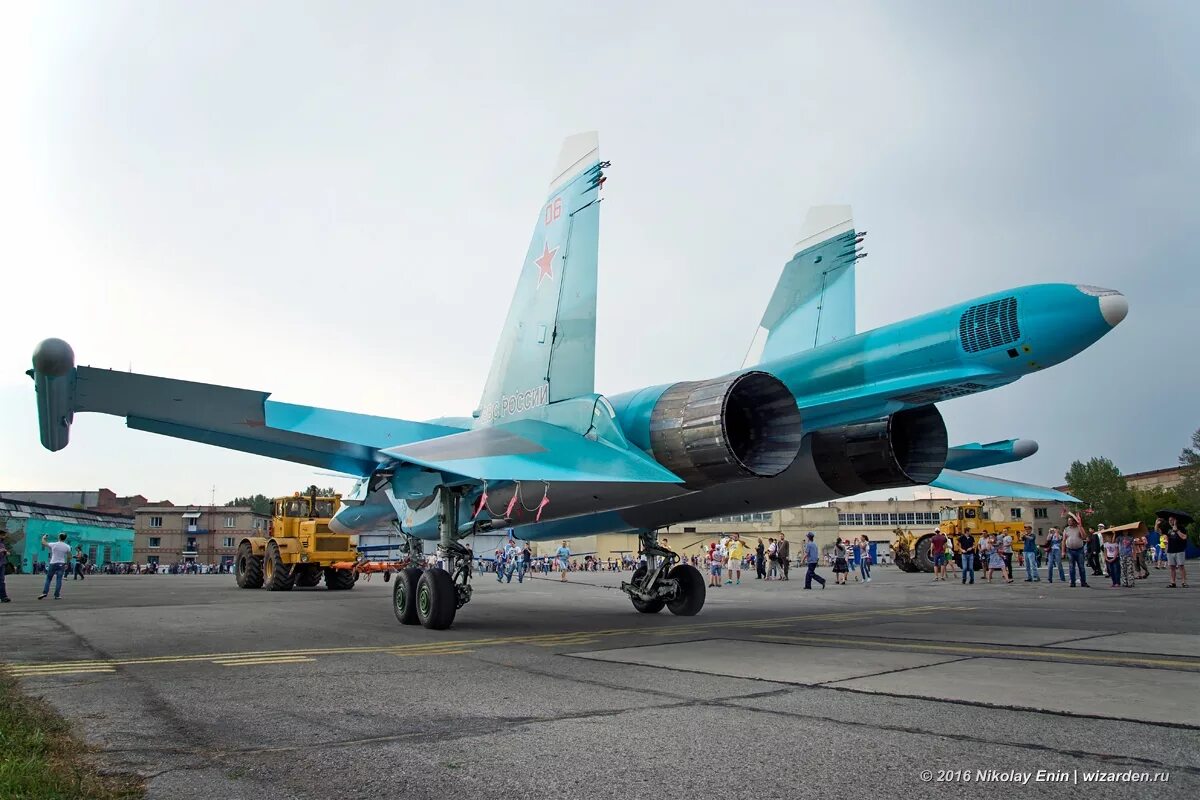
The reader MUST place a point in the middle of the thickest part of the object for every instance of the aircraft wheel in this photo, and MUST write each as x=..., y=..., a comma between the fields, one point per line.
x=248, y=569
x=436, y=599
x=645, y=606
x=691, y=591
x=339, y=579
x=404, y=596
x=276, y=574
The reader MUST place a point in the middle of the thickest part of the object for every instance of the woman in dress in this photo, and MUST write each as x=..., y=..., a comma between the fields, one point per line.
x=840, y=569
x=996, y=561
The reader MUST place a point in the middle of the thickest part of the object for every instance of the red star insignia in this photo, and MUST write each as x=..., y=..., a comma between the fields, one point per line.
x=545, y=263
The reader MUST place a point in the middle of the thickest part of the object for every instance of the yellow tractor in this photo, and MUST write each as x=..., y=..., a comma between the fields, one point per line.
x=300, y=549
x=910, y=551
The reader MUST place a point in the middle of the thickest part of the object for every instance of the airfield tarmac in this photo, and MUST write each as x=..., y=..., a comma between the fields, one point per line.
x=549, y=690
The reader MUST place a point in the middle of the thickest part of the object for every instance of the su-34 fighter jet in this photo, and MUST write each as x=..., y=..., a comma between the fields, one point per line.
x=818, y=411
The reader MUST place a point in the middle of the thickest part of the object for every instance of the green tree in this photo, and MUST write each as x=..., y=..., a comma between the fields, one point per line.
x=1100, y=485
x=258, y=503
x=1189, y=490
x=1147, y=502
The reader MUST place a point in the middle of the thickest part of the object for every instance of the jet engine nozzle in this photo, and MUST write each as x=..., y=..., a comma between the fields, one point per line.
x=905, y=449
x=726, y=429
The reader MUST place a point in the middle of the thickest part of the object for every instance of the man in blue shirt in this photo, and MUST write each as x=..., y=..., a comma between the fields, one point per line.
x=1030, y=554
x=812, y=557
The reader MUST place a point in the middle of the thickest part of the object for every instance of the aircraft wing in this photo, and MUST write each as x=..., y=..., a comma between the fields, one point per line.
x=986, y=485
x=531, y=450
x=238, y=419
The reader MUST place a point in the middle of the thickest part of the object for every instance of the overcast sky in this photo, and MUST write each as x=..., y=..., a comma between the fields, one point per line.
x=331, y=201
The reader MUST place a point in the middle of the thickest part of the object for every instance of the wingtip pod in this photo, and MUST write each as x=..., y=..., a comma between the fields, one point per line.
x=578, y=151
x=53, y=376
x=53, y=357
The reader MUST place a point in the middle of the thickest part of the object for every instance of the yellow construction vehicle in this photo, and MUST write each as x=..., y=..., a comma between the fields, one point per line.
x=300, y=549
x=910, y=551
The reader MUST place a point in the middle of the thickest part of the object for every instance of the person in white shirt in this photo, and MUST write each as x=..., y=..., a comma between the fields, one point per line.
x=60, y=551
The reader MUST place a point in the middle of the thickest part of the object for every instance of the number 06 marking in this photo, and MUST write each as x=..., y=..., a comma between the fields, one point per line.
x=554, y=210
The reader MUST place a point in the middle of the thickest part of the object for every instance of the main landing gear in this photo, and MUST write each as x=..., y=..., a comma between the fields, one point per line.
x=433, y=596
x=662, y=580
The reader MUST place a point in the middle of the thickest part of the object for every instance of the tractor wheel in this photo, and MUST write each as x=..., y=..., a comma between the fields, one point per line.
x=308, y=577
x=691, y=595
x=276, y=574
x=404, y=596
x=248, y=569
x=436, y=599
x=921, y=556
x=339, y=579
x=645, y=606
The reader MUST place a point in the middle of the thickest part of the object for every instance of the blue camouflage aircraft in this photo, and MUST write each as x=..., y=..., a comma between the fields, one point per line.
x=817, y=411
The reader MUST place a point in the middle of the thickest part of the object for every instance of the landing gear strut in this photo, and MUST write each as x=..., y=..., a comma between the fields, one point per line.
x=438, y=593
x=664, y=581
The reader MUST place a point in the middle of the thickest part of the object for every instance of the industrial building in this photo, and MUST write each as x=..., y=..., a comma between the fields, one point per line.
x=106, y=538
x=105, y=501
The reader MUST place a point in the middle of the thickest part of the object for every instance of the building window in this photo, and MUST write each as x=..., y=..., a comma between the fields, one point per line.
x=227, y=541
x=155, y=541
x=1040, y=513
x=152, y=560
x=156, y=522
x=230, y=522
x=1014, y=513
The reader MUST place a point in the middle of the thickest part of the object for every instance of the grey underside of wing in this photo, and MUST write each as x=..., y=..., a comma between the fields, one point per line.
x=217, y=415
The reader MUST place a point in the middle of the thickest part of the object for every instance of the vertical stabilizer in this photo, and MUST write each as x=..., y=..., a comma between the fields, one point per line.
x=813, y=302
x=547, y=348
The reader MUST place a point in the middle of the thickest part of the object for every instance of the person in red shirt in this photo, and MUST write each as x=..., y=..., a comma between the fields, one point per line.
x=937, y=550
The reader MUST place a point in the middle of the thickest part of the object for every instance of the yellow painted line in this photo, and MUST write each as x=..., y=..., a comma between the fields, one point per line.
x=63, y=671
x=1038, y=653
x=440, y=647
x=56, y=668
x=261, y=658
x=263, y=661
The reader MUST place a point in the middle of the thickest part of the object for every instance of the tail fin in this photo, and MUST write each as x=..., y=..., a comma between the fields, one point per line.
x=813, y=303
x=547, y=349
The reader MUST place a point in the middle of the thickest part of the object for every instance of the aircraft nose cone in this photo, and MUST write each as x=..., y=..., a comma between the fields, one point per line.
x=1113, y=305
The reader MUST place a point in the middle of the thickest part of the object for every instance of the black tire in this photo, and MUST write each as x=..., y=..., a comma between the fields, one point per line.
x=277, y=575
x=645, y=606
x=692, y=591
x=339, y=580
x=309, y=577
x=248, y=568
x=922, y=559
x=404, y=595
x=436, y=599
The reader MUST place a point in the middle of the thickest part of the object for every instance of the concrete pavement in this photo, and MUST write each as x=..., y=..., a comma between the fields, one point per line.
x=563, y=690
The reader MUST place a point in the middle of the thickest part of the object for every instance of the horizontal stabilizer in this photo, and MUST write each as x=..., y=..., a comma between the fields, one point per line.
x=987, y=486
x=530, y=450
x=978, y=456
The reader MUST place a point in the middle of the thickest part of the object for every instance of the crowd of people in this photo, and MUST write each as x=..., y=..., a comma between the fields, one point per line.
x=1127, y=555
